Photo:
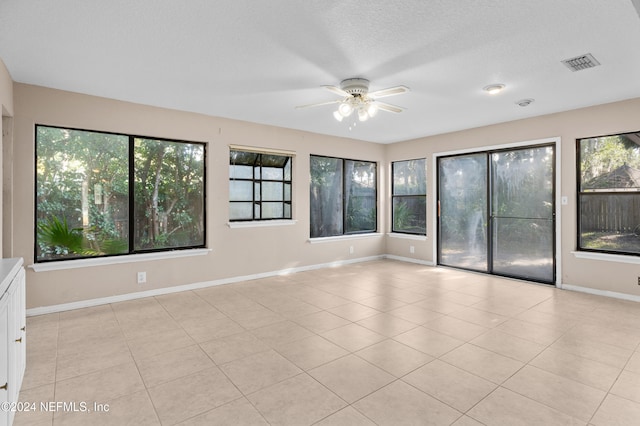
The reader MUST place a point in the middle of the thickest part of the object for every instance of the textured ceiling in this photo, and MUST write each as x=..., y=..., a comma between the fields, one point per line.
x=256, y=60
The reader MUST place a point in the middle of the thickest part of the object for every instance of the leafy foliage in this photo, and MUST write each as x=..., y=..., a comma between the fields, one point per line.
x=83, y=180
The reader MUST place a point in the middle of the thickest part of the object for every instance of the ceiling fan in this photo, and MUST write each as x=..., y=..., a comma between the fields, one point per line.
x=355, y=96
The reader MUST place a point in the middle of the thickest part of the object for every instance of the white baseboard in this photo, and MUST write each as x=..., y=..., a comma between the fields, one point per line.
x=597, y=292
x=409, y=259
x=167, y=290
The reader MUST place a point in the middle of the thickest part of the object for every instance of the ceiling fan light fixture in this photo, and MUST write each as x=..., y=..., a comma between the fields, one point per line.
x=363, y=115
x=337, y=115
x=372, y=109
x=494, y=89
x=345, y=109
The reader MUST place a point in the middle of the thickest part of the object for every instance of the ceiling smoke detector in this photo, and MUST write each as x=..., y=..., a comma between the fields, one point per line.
x=581, y=62
x=524, y=102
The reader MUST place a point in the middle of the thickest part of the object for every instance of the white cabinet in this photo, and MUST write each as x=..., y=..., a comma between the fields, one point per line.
x=12, y=334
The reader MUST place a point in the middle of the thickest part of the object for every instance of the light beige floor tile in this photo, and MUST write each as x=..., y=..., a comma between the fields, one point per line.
x=203, y=329
x=382, y=303
x=506, y=309
x=147, y=326
x=353, y=311
x=322, y=321
x=281, y=333
x=96, y=358
x=346, y=417
x=415, y=314
x=351, y=377
x=394, y=357
x=457, y=328
x=405, y=295
x=311, y=352
x=148, y=346
x=479, y=317
x=529, y=331
x=481, y=362
x=574, y=367
x=258, y=371
x=191, y=395
x=557, y=322
x=428, y=341
x=239, y=412
x=634, y=363
x=253, y=319
x=596, y=351
x=299, y=400
x=173, y=365
x=323, y=300
x=438, y=304
x=616, y=411
x=504, y=407
x=129, y=410
x=40, y=370
x=187, y=304
x=101, y=386
x=401, y=404
x=508, y=345
x=353, y=337
x=233, y=347
x=614, y=335
x=82, y=317
x=461, y=298
x=387, y=325
x=627, y=386
x=466, y=421
x=570, y=397
x=33, y=397
x=453, y=386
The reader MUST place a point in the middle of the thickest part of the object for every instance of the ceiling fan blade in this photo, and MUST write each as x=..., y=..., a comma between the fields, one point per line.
x=388, y=107
x=397, y=90
x=337, y=90
x=318, y=104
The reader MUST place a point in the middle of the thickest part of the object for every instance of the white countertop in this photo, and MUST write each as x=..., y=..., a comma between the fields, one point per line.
x=8, y=269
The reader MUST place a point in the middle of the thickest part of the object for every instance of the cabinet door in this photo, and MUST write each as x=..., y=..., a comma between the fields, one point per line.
x=4, y=356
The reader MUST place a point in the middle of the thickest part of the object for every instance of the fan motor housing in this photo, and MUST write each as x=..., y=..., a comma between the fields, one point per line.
x=355, y=86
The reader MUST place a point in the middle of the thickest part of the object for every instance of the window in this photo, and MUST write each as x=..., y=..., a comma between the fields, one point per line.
x=409, y=197
x=259, y=186
x=609, y=194
x=101, y=194
x=343, y=196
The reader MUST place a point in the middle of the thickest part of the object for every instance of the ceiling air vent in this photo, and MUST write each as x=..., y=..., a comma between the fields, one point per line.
x=581, y=62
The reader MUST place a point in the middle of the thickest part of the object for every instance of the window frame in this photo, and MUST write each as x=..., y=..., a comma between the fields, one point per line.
x=344, y=197
x=131, y=195
x=253, y=180
x=580, y=194
x=393, y=197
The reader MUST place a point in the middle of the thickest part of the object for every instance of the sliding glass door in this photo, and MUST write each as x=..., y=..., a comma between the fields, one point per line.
x=496, y=212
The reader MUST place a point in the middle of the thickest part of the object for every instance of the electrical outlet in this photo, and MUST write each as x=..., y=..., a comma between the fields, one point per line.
x=351, y=250
x=638, y=280
x=142, y=277
x=412, y=249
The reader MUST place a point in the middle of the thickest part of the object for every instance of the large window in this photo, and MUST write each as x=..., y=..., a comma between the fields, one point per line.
x=409, y=197
x=259, y=186
x=609, y=193
x=343, y=196
x=100, y=194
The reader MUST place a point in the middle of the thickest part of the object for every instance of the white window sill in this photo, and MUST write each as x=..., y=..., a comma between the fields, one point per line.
x=344, y=237
x=101, y=261
x=607, y=257
x=261, y=223
x=407, y=236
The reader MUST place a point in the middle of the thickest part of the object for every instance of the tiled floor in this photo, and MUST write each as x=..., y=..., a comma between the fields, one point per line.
x=383, y=342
